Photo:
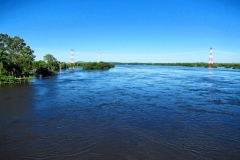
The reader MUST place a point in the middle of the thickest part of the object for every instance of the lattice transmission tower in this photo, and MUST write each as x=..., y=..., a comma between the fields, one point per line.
x=210, y=59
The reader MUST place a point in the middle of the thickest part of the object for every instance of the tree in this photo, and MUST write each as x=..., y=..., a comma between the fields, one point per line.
x=50, y=60
x=95, y=65
x=1, y=66
x=16, y=57
x=2, y=60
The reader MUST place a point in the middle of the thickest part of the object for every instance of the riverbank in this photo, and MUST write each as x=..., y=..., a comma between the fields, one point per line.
x=11, y=80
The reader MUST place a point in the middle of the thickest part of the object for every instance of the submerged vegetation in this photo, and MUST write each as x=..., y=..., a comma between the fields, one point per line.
x=48, y=67
x=8, y=79
x=94, y=65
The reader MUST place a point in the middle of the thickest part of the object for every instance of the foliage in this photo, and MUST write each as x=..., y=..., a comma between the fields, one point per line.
x=43, y=67
x=51, y=61
x=8, y=79
x=95, y=65
x=17, y=60
x=15, y=56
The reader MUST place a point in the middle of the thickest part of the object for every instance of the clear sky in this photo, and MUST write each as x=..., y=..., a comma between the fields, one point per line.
x=126, y=30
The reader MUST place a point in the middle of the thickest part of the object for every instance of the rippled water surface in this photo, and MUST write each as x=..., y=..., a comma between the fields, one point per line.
x=128, y=112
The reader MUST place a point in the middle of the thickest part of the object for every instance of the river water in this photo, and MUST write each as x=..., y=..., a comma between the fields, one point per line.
x=128, y=112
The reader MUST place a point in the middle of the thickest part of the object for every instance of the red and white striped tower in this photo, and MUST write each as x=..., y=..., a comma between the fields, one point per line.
x=72, y=58
x=210, y=60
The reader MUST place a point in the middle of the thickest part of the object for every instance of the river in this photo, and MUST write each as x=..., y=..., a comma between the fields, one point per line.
x=128, y=112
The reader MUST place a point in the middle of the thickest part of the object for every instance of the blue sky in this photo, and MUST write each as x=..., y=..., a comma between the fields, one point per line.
x=126, y=30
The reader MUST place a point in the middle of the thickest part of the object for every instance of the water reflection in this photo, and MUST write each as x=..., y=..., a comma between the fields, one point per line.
x=210, y=72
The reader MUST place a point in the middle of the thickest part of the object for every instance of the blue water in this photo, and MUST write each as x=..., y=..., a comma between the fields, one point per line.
x=128, y=112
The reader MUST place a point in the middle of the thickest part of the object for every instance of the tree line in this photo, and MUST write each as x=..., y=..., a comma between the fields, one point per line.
x=94, y=65
x=198, y=64
x=17, y=61
x=48, y=66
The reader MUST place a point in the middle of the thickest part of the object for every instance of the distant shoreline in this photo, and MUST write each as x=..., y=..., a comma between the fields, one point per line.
x=197, y=64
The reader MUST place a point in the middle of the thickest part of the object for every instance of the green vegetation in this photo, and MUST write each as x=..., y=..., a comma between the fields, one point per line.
x=200, y=64
x=15, y=56
x=8, y=79
x=48, y=67
x=51, y=61
x=95, y=65
x=17, y=61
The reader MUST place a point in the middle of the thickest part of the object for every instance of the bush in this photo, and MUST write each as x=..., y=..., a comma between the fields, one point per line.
x=96, y=65
x=44, y=71
x=8, y=79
